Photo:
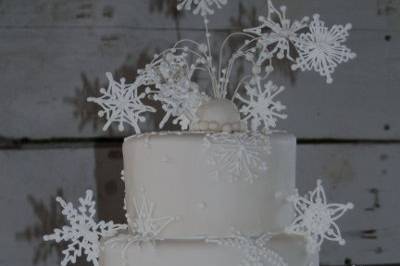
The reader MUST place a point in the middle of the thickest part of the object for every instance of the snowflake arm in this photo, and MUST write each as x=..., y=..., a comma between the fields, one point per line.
x=202, y=7
x=121, y=103
x=316, y=218
x=259, y=108
x=83, y=233
x=145, y=226
x=254, y=250
x=322, y=49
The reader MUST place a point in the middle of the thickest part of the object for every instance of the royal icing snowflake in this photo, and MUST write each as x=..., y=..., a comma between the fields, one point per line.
x=322, y=49
x=202, y=7
x=83, y=233
x=144, y=225
x=122, y=103
x=237, y=156
x=277, y=32
x=259, y=107
x=254, y=250
x=316, y=218
x=179, y=96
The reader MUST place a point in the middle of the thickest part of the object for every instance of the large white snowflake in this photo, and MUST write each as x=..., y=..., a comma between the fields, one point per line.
x=259, y=108
x=145, y=226
x=83, y=232
x=202, y=7
x=237, y=156
x=254, y=250
x=316, y=218
x=277, y=32
x=122, y=103
x=322, y=49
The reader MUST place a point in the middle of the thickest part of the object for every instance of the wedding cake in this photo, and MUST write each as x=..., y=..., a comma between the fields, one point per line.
x=222, y=190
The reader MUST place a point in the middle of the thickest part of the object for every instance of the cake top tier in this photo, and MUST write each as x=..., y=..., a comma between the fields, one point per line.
x=194, y=88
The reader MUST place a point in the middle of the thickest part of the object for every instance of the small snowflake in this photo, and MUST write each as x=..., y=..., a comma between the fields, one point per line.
x=179, y=96
x=259, y=108
x=122, y=103
x=276, y=36
x=255, y=251
x=238, y=155
x=316, y=218
x=83, y=233
x=321, y=49
x=145, y=226
x=203, y=7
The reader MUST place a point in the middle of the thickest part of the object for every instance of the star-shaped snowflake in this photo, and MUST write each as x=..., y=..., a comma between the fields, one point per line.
x=254, y=250
x=316, y=218
x=144, y=225
x=237, y=156
x=83, y=232
x=202, y=7
x=322, y=49
x=122, y=103
x=259, y=108
x=277, y=32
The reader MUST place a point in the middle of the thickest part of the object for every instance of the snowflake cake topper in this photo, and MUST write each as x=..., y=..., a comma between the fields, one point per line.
x=316, y=218
x=254, y=249
x=83, y=233
x=171, y=78
x=122, y=103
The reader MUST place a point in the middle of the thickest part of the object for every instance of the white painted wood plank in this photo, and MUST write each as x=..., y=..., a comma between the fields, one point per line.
x=364, y=14
x=364, y=174
x=47, y=74
x=29, y=176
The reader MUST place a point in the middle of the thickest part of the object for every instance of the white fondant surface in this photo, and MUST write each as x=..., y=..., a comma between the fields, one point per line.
x=184, y=187
x=118, y=251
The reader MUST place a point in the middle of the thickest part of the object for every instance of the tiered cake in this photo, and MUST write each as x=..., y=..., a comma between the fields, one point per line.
x=209, y=199
x=221, y=191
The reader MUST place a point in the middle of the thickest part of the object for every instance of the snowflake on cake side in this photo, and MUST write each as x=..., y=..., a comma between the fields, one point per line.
x=145, y=226
x=83, y=232
x=121, y=102
x=254, y=250
x=237, y=156
x=316, y=218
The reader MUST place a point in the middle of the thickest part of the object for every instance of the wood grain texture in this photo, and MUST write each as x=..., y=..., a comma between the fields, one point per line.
x=52, y=58
x=364, y=174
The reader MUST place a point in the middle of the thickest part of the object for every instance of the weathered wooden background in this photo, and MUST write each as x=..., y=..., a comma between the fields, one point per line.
x=54, y=53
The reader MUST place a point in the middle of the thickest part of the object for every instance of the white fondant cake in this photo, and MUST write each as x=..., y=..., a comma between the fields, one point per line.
x=209, y=198
x=280, y=251
x=192, y=192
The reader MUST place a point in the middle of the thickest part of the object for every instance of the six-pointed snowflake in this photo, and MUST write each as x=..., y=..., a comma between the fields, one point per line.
x=144, y=225
x=237, y=156
x=316, y=218
x=322, y=49
x=259, y=108
x=202, y=7
x=254, y=250
x=83, y=232
x=122, y=103
x=277, y=32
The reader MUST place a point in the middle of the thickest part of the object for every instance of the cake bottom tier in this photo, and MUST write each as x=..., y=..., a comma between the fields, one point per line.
x=282, y=250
